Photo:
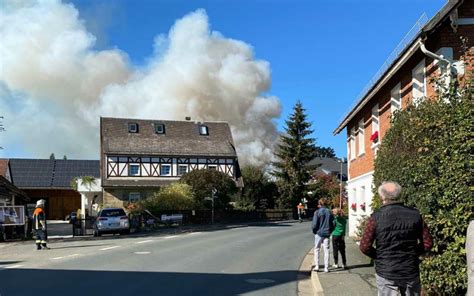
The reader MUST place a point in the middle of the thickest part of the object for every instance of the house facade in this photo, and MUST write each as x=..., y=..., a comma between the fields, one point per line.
x=50, y=179
x=431, y=48
x=140, y=156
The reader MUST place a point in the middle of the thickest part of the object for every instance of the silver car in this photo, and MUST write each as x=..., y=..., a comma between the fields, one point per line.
x=112, y=220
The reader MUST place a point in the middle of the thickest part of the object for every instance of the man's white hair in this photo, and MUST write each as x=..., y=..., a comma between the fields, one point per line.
x=390, y=191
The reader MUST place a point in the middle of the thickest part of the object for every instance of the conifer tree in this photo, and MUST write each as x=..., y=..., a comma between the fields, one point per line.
x=294, y=152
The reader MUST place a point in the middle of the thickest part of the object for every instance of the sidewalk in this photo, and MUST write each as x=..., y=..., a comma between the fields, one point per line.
x=358, y=279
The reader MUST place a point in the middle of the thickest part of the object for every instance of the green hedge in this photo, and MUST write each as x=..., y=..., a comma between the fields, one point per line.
x=428, y=150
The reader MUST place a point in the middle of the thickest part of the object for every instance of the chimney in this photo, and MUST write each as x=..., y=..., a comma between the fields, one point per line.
x=188, y=118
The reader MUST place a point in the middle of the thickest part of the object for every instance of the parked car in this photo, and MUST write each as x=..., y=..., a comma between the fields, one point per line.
x=111, y=220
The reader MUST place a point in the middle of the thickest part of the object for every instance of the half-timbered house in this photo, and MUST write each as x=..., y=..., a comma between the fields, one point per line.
x=139, y=156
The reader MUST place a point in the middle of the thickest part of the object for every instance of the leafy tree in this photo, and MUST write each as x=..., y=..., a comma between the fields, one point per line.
x=325, y=152
x=52, y=157
x=64, y=157
x=322, y=185
x=202, y=183
x=428, y=150
x=294, y=152
x=259, y=191
x=176, y=196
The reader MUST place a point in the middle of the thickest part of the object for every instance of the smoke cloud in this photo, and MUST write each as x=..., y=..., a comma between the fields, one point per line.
x=54, y=85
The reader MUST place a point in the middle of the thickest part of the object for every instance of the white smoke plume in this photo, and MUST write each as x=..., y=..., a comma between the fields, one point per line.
x=54, y=85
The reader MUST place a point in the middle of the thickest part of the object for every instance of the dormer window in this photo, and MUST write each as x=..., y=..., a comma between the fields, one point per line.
x=159, y=128
x=203, y=130
x=133, y=127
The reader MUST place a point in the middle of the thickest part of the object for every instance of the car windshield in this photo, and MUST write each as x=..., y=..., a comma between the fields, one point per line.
x=113, y=213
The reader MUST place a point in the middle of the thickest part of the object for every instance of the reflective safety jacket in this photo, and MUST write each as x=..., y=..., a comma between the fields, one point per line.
x=39, y=219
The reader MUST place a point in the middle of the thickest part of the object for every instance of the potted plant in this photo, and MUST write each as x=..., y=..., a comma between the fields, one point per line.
x=374, y=138
x=354, y=207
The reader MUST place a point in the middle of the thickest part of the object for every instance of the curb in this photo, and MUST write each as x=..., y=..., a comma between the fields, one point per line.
x=309, y=285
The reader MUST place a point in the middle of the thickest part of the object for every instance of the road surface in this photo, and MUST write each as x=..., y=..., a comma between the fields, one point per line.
x=260, y=259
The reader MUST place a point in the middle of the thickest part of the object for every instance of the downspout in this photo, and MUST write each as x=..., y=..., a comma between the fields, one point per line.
x=436, y=57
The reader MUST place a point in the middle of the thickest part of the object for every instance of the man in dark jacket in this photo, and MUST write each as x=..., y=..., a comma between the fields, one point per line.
x=400, y=238
x=323, y=225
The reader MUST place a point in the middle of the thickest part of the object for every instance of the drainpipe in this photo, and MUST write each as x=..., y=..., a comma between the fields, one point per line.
x=437, y=57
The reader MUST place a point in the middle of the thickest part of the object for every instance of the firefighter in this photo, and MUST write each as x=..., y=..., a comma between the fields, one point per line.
x=39, y=225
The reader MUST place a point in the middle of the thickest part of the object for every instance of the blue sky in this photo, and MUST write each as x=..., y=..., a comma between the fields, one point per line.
x=320, y=52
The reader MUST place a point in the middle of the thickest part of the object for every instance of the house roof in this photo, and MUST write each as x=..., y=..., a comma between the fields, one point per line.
x=430, y=26
x=328, y=165
x=181, y=138
x=46, y=173
x=7, y=189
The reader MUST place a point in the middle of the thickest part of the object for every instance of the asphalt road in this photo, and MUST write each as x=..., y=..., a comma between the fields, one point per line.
x=262, y=259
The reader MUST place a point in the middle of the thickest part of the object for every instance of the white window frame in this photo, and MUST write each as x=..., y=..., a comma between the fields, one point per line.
x=134, y=196
x=130, y=169
x=352, y=144
x=133, y=127
x=362, y=200
x=419, y=82
x=361, y=137
x=375, y=125
x=161, y=169
x=162, y=128
x=182, y=166
x=396, y=98
x=203, y=130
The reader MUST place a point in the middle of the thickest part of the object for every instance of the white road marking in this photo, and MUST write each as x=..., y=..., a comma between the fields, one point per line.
x=141, y=253
x=171, y=236
x=13, y=266
x=64, y=257
x=109, y=248
x=193, y=233
x=145, y=241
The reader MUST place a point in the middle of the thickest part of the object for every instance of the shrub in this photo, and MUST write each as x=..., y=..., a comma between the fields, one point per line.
x=176, y=196
x=428, y=150
x=361, y=227
x=202, y=183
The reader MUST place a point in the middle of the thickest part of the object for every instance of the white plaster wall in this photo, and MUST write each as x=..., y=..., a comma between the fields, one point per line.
x=360, y=191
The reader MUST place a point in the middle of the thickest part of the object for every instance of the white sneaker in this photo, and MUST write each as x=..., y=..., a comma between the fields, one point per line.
x=336, y=266
x=326, y=270
x=343, y=266
x=316, y=269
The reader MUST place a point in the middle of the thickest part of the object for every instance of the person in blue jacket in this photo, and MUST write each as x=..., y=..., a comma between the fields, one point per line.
x=323, y=225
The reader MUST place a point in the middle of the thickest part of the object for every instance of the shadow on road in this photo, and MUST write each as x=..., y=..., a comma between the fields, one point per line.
x=8, y=263
x=82, y=282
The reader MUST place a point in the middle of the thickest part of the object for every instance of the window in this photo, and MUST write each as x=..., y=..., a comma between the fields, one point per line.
x=134, y=170
x=418, y=82
x=182, y=169
x=159, y=128
x=361, y=138
x=165, y=170
x=203, y=130
x=396, y=99
x=352, y=144
x=134, y=196
x=375, y=137
x=132, y=127
x=212, y=167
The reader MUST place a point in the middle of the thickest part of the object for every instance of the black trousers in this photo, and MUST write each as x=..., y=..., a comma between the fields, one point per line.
x=339, y=246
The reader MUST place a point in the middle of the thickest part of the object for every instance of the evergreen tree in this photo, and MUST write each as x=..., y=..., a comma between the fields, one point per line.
x=295, y=150
x=52, y=157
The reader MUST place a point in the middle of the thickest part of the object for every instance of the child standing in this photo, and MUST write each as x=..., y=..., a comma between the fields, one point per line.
x=338, y=234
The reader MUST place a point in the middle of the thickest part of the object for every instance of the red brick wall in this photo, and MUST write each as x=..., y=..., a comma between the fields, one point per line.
x=443, y=36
